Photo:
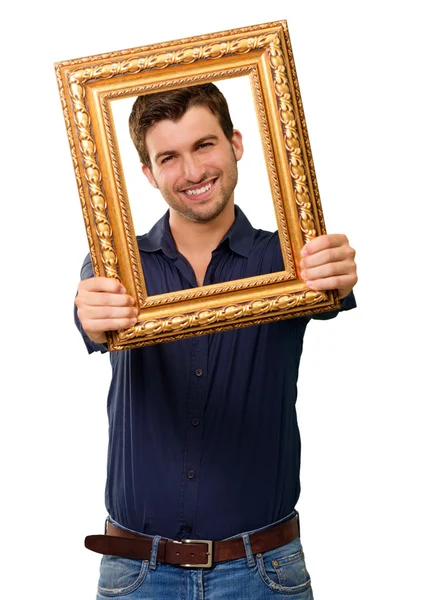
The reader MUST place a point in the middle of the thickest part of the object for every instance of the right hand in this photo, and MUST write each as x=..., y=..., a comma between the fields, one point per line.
x=104, y=305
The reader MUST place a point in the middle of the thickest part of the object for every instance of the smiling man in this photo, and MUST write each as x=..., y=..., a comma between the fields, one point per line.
x=198, y=179
x=196, y=175
x=204, y=448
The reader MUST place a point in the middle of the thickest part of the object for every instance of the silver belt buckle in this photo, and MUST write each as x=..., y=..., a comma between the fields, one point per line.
x=209, y=553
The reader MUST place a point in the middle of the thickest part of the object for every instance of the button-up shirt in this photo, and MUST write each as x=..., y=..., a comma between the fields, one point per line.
x=203, y=436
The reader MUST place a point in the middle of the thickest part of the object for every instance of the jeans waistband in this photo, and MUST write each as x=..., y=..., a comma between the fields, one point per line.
x=238, y=535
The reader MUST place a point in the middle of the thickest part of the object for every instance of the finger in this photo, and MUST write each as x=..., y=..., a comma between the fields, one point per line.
x=101, y=284
x=100, y=325
x=337, y=282
x=323, y=242
x=103, y=299
x=342, y=267
x=88, y=313
x=330, y=255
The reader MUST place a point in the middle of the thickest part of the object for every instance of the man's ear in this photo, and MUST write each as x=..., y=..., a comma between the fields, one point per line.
x=147, y=172
x=237, y=144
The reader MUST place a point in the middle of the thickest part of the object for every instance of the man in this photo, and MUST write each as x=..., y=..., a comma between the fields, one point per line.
x=203, y=441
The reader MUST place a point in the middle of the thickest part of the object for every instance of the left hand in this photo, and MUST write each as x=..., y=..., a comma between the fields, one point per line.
x=328, y=263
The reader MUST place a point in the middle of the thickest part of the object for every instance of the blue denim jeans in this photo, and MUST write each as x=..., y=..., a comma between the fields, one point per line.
x=279, y=573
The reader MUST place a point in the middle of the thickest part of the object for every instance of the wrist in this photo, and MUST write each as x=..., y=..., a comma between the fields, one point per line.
x=98, y=338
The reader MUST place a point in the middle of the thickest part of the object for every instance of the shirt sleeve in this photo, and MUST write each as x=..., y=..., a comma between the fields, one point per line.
x=86, y=273
x=347, y=303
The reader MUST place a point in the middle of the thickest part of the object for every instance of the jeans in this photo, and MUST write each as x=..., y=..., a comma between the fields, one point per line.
x=279, y=573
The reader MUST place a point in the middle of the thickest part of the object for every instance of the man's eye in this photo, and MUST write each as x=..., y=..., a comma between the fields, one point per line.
x=204, y=145
x=166, y=159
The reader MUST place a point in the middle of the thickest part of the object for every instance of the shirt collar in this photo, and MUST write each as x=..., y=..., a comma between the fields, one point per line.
x=240, y=236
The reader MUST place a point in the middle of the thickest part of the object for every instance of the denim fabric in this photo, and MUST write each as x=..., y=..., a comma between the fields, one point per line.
x=278, y=573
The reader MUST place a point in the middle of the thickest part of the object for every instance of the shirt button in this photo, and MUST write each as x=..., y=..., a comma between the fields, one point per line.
x=190, y=474
x=195, y=422
x=199, y=372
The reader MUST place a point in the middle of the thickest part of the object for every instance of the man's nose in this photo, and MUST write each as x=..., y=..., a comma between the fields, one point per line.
x=193, y=169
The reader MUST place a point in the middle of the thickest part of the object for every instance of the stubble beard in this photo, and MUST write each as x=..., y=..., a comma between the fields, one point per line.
x=195, y=215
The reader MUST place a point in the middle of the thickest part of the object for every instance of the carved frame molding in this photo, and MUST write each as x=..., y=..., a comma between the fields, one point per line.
x=87, y=87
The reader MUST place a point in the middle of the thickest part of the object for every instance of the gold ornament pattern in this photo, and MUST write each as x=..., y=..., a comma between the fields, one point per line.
x=274, y=181
x=78, y=77
x=270, y=40
x=181, y=56
x=76, y=80
x=94, y=180
x=304, y=128
x=180, y=42
x=137, y=343
x=77, y=175
x=286, y=275
x=231, y=312
x=123, y=205
x=292, y=140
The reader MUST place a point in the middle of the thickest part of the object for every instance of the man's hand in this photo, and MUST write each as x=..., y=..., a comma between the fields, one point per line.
x=328, y=263
x=103, y=305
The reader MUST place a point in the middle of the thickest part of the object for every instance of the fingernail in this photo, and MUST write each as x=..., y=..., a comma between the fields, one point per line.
x=303, y=275
x=122, y=290
x=303, y=252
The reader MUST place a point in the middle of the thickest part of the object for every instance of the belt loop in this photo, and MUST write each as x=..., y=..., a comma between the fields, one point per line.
x=154, y=553
x=248, y=550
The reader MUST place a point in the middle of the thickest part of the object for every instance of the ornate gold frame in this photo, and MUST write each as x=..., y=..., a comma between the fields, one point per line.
x=88, y=85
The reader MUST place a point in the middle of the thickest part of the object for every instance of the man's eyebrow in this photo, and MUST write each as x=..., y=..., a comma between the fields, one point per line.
x=164, y=153
x=204, y=139
x=198, y=142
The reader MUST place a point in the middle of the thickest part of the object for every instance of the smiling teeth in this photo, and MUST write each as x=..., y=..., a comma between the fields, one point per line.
x=200, y=191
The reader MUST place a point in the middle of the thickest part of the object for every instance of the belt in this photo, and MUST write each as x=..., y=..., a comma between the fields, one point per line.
x=190, y=553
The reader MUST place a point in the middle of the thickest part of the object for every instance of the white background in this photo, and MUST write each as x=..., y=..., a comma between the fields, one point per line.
x=360, y=393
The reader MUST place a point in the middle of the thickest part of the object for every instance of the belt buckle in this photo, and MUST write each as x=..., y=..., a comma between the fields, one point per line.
x=209, y=553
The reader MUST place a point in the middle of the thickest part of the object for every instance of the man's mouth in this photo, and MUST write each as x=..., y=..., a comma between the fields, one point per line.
x=200, y=191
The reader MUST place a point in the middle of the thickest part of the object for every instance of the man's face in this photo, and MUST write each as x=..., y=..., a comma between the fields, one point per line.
x=193, y=164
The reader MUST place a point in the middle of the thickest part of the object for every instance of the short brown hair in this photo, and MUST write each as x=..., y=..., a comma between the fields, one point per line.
x=173, y=104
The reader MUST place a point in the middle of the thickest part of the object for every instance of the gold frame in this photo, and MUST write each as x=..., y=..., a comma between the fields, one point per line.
x=88, y=85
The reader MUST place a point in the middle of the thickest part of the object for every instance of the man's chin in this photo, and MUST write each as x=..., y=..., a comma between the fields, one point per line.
x=203, y=214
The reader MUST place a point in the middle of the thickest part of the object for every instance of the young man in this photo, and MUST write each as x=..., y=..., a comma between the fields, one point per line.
x=204, y=443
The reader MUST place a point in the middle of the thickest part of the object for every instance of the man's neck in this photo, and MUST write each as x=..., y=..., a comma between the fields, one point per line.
x=192, y=238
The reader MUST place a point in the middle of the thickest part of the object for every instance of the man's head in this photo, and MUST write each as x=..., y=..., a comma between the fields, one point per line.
x=173, y=104
x=188, y=148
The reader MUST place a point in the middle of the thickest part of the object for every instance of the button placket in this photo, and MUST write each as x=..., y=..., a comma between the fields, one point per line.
x=194, y=433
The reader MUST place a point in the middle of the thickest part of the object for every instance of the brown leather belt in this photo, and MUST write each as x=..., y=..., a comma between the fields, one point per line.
x=190, y=553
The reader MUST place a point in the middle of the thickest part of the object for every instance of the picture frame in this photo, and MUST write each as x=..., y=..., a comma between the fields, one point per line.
x=89, y=86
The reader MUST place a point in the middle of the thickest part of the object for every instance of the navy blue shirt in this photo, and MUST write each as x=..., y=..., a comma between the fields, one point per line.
x=203, y=435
